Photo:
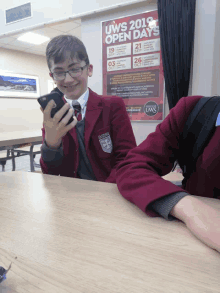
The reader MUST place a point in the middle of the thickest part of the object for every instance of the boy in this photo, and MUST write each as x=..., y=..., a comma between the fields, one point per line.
x=91, y=147
x=139, y=177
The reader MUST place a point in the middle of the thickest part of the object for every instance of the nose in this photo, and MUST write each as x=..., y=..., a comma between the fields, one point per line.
x=68, y=77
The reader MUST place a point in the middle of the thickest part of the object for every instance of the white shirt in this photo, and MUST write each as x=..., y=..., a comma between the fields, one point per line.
x=83, y=102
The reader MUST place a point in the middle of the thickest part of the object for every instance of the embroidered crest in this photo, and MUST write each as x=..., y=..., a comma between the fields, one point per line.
x=106, y=142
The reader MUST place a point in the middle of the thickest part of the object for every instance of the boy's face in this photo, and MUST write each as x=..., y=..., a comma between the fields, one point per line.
x=72, y=87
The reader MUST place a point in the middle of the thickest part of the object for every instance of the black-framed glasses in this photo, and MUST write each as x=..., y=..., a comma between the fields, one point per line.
x=61, y=75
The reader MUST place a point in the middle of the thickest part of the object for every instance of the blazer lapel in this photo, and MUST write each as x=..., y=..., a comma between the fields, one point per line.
x=93, y=111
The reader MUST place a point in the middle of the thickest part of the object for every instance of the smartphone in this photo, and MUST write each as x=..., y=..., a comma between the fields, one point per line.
x=44, y=100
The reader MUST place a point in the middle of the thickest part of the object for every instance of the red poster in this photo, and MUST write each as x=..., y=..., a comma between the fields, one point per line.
x=132, y=64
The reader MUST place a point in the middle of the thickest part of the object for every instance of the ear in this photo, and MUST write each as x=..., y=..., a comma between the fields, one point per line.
x=90, y=70
x=51, y=75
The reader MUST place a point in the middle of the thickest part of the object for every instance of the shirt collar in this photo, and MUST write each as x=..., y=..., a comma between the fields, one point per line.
x=83, y=99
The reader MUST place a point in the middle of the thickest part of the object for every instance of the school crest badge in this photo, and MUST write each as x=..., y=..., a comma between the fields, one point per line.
x=106, y=142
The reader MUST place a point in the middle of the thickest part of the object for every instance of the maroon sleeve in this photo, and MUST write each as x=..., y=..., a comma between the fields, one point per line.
x=122, y=135
x=48, y=167
x=139, y=175
x=43, y=165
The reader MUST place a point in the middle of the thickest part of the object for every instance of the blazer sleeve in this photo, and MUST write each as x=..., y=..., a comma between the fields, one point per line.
x=139, y=175
x=50, y=160
x=122, y=134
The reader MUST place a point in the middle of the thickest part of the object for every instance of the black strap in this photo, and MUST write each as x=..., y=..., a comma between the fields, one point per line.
x=193, y=115
x=216, y=192
x=197, y=132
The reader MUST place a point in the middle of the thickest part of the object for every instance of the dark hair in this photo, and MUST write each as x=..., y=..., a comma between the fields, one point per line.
x=59, y=47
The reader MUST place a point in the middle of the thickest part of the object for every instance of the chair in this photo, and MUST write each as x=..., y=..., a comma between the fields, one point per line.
x=31, y=150
x=7, y=155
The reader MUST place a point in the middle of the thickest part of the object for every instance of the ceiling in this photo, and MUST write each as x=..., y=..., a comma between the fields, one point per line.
x=72, y=27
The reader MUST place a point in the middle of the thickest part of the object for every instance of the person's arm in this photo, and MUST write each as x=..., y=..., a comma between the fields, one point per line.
x=53, y=131
x=201, y=219
x=139, y=175
x=51, y=159
x=122, y=135
x=164, y=205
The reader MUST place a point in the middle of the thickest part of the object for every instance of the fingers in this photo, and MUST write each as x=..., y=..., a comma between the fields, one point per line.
x=47, y=110
x=58, y=125
x=72, y=124
x=58, y=115
x=63, y=127
x=61, y=112
x=67, y=117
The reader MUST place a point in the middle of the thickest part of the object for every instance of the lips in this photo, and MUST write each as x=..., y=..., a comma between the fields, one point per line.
x=70, y=86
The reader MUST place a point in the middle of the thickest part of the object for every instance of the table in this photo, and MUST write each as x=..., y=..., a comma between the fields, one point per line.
x=70, y=235
x=11, y=140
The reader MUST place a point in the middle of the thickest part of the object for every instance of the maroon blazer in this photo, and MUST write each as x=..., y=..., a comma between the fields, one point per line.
x=139, y=175
x=104, y=114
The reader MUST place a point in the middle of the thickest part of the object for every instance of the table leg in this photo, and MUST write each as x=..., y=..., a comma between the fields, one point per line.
x=32, y=159
x=13, y=159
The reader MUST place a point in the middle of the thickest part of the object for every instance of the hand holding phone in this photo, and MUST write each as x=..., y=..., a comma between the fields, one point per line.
x=59, y=103
x=58, y=118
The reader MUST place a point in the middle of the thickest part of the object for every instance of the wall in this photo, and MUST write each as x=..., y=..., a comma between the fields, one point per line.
x=91, y=36
x=22, y=114
x=205, y=80
x=45, y=11
x=216, y=55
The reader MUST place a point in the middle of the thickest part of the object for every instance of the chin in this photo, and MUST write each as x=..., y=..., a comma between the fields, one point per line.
x=72, y=96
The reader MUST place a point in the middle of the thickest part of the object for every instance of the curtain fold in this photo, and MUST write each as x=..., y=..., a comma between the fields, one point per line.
x=177, y=24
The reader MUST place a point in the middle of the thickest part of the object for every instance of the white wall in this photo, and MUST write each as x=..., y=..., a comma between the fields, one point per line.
x=22, y=114
x=216, y=56
x=91, y=36
x=206, y=63
x=45, y=11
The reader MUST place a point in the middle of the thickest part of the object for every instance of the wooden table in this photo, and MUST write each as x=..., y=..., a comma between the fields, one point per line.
x=11, y=140
x=71, y=235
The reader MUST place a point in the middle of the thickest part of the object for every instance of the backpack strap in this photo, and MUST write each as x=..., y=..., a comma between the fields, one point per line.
x=197, y=132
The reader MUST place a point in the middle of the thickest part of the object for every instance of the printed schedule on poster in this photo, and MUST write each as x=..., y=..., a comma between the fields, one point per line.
x=119, y=64
x=134, y=85
x=146, y=46
x=118, y=51
x=132, y=64
x=149, y=60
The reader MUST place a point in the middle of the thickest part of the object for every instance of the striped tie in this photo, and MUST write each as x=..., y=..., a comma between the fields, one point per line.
x=77, y=110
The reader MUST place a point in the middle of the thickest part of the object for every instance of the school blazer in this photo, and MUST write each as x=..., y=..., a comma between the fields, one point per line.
x=108, y=137
x=139, y=175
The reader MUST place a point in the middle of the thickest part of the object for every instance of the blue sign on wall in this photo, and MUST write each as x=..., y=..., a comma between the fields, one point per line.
x=18, y=13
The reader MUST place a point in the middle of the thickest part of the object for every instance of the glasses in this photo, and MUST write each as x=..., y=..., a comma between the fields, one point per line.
x=61, y=75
